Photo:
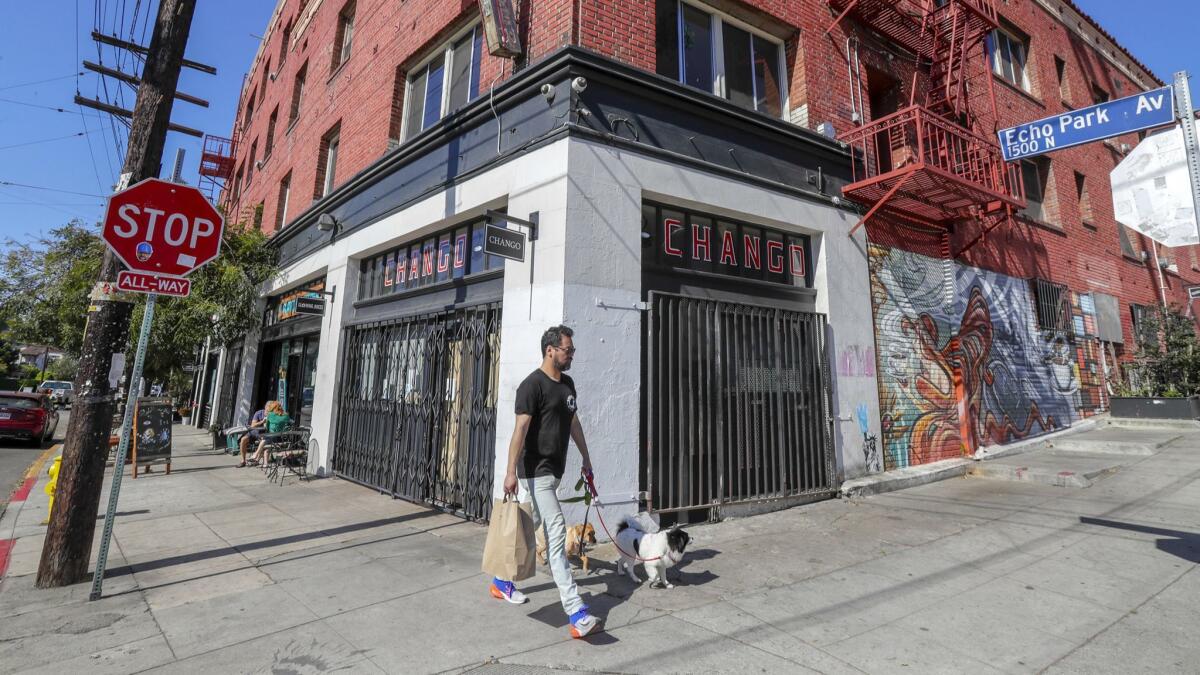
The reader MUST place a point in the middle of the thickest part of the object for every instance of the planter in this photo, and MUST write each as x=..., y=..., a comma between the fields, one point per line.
x=186, y=419
x=1153, y=408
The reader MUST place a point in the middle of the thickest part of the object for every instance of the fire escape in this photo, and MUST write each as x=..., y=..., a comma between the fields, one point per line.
x=216, y=165
x=926, y=164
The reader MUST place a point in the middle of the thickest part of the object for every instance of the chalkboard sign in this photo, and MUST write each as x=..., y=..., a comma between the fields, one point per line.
x=152, y=432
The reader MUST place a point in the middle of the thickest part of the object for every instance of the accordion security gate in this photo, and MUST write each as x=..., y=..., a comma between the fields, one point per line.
x=417, y=408
x=737, y=405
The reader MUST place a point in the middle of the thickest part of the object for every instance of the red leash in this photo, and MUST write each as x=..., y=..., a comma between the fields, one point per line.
x=591, y=486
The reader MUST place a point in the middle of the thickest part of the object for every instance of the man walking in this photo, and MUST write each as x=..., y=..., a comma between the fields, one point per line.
x=537, y=456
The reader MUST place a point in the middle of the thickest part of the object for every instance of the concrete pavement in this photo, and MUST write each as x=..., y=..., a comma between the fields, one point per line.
x=214, y=569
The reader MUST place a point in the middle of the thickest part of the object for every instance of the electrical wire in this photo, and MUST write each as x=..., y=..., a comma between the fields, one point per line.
x=48, y=189
x=49, y=79
x=44, y=140
x=38, y=105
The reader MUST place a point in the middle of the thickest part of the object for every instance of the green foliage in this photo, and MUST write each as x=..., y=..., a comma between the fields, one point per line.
x=63, y=369
x=1167, y=362
x=222, y=304
x=45, y=282
x=8, y=356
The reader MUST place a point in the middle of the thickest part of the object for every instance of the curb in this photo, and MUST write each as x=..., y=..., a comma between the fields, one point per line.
x=8, y=519
x=900, y=479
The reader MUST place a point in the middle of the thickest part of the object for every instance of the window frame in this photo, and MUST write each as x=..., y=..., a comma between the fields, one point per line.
x=330, y=145
x=272, y=123
x=1041, y=166
x=1009, y=33
x=446, y=51
x=299, y=84
x=285, y=196
x=343, y=42
x=717, y=21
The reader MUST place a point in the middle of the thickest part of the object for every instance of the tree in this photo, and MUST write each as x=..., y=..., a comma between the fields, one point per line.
x=45, y=283
x=1167, y=362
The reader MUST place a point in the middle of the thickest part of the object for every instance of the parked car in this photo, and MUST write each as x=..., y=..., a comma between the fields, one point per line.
x=29, y=417
x=62, y=393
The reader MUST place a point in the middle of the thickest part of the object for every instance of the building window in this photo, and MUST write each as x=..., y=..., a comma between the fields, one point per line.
x=285, y=193
x=262, y=92
x=1143, y=328
x=297, y=95
x=237, y=185
x=1053, y=308
x=1085, y=202
x=249, y=109
x=1099, y=95
x=1035, y=173
x=716, y=53
x=448, y=81
x=327, y=161
x=250, y=161
x=1009, y=54
x=1060, y=70
x=270, y=143
x=285, y=44
x=396, y=122
x=441, y=258
x=1127, y=248
x=344, y=36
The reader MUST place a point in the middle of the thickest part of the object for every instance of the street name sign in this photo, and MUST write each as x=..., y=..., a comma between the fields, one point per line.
x=140, y=282
x=504, y=243
x=1093, y=123
x=162, y=228
x=1152, y=190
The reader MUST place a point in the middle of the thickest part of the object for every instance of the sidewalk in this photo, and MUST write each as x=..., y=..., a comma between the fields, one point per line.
x=215, y=569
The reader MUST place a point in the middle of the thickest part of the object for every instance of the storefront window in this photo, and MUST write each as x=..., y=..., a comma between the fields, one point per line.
x=443, y=258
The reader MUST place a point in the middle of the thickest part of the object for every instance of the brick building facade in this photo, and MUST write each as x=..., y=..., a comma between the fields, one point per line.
x=363, y=124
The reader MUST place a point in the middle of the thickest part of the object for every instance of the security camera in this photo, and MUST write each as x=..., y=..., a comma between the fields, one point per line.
x=326, y=222
x=578, y=85
x=548, y=92
x=837, y=201
x=258, y=164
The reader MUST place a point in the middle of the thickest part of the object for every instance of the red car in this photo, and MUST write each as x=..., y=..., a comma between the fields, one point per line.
x=30, y=417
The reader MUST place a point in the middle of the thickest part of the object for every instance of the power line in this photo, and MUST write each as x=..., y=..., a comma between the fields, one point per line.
x=43, y=140
x=48, y=189
x=37, y=105
x=49, y=79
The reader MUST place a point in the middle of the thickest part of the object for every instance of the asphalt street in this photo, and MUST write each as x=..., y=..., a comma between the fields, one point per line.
x=16, y=456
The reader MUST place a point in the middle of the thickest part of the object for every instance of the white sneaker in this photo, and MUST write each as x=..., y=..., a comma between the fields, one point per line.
x=507, y=591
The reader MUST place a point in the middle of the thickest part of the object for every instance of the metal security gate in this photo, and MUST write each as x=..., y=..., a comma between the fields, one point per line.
x=417, y=408
x=737, y=405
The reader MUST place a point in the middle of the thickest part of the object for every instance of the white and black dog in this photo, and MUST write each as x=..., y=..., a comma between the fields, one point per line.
x=657, y=550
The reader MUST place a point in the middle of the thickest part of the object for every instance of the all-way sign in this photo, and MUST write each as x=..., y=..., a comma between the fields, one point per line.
x=1094, y=123
x=140, y=282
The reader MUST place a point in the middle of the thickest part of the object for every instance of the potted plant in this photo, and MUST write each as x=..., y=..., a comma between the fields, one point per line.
x=185, y=413
x=1164, y=377
x=218, y=438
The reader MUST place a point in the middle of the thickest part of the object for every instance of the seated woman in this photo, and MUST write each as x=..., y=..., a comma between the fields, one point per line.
x=258, y=422
x=277, y=422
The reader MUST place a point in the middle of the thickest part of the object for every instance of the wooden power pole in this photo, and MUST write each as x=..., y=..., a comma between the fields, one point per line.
x=68, y=545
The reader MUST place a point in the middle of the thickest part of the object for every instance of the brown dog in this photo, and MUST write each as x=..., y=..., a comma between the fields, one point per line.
x=578, y=537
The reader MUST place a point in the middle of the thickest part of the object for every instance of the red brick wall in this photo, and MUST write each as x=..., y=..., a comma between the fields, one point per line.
x=390, y=36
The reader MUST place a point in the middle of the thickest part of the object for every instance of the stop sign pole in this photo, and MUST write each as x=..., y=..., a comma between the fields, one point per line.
x=154, y=227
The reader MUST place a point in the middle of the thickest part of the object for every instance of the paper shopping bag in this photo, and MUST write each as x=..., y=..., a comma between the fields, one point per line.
x=508, y=552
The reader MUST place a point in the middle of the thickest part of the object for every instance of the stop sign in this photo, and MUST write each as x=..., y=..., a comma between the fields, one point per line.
x=162, y=228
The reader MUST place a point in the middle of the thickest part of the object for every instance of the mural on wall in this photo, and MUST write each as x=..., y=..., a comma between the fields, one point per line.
x=963, y=369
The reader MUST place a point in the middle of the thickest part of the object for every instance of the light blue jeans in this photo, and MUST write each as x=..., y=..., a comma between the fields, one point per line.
x=548, y=515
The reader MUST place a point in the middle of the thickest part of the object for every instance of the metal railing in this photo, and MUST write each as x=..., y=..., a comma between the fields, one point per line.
x=417, y=408
x=737, y=405
x=915, y=138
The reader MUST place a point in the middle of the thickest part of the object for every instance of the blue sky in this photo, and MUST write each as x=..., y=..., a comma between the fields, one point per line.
x=46, y=40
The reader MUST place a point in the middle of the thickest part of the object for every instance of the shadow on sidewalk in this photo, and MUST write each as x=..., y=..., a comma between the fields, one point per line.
x=1181, y=544
x=266, y=543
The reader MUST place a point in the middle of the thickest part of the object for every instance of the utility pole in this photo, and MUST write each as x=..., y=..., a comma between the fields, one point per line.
x=72, y=524
x=1187, y=120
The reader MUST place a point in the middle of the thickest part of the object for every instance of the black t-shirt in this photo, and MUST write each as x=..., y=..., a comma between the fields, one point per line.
x=552, y=406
